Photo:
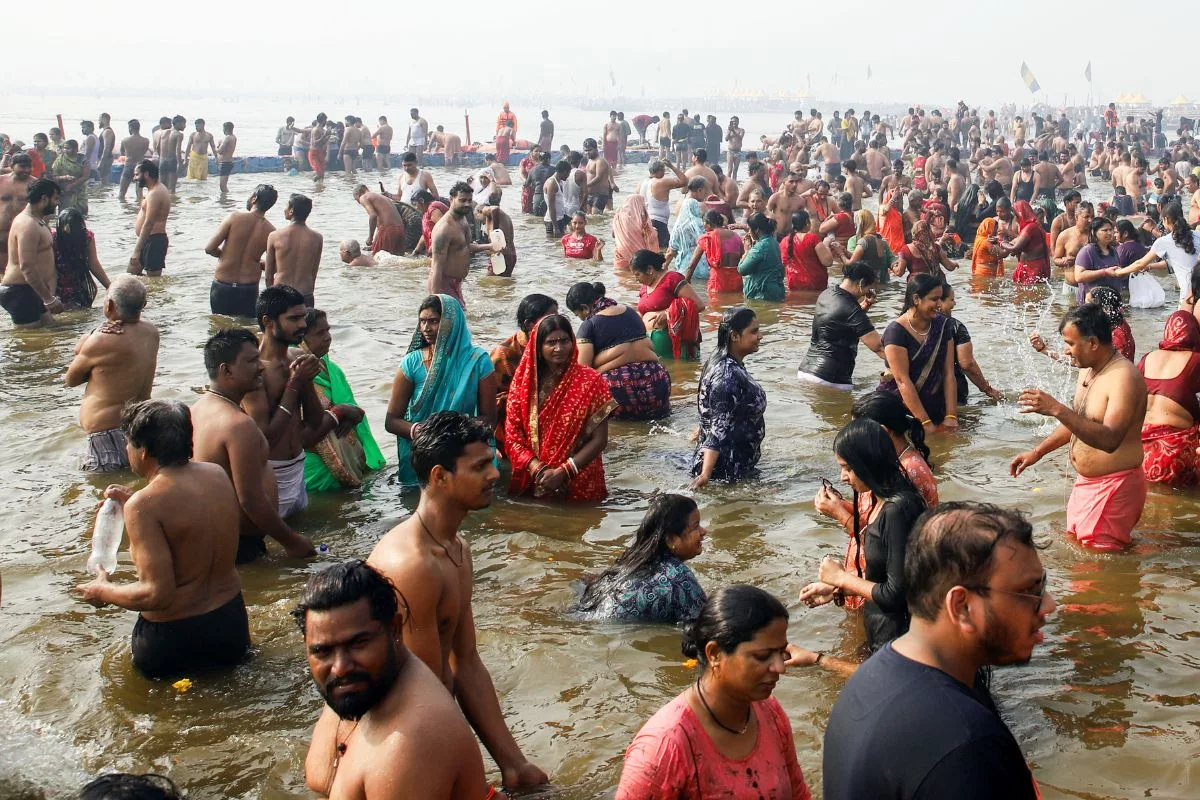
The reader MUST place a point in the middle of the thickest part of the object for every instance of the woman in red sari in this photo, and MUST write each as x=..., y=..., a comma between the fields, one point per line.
x=1169, y=433
x=1033, y=262
x=557, y=419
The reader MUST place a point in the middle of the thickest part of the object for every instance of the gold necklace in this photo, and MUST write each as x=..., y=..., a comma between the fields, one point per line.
x=226, y=398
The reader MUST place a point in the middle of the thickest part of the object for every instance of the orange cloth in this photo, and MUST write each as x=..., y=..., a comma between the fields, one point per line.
x=983, y=260
x=632, y=231
x=891, y=226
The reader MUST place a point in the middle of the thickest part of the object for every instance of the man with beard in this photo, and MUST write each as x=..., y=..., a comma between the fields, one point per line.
x=430, y=564
x=14, y=192
x=388, y=726
x=913, y=721
x=27, y=290
x=294, y=253
x=188, y=592
x=224, y=434
x=285, y=405
x=238, y=245
x=452, y=248
x=150, y=250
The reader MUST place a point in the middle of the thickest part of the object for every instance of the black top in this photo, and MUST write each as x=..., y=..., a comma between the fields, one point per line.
x=960, y=335
x=699, y=135
x=713, y=133
x=884, y=542
x=538, y=177
x=605, y=331
x=681, y=132
x=838, y=323
x=901, y=729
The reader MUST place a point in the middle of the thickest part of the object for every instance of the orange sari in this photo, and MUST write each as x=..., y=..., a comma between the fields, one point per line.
x=553, y=431
x=983, y=260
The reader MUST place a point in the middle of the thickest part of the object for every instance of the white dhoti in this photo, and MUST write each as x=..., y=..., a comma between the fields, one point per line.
x=289, y=477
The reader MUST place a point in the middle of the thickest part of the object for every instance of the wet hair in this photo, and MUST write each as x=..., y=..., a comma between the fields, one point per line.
x=264, y=197
x=1004, y=202
x=667, y=517
x=714, y=218
x=422, y=196
x=868, y=450
x=442, y=439
x=562, y=168
x=800, y=222
x=352, y=246
x=845, y=201
x=646, y=260
x=735, y=614
x=920, y=287
x=148, y=168
x=583, y=294
x=459, y=188
x=301, y=206
x=163, y=428
x=71, y=241
x=1126, y=231
x=274, y=300
x=432, y=302
x=696, y=184
x=532, y=308
x=22, y=160
x=850, y=164
x=953, y=545
x=735, y=320
x=994, y=189
x=1085, y=205
x=761, y=224
x=1098, y=223
x=1070, y=196
x=344, y=585
x=576, y=158
x=314, y=316
x=126, y=786
x=701, y=154
x=43, y=188
x=889, y=411
x=1181, y=231
x=224, y=346
x=1090, y=320
x=589, y=144
x=861, y=272
x=127, y=292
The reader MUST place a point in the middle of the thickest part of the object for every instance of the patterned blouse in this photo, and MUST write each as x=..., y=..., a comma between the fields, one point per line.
x=670, y=593
x=732, y=405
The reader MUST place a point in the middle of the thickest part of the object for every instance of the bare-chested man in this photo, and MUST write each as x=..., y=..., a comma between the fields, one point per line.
x=1123, y=165
x=117, y=362
x=1192, y=184
x=756, y=182
x=27, y=290
x=352, y=255
x=1047, y=177
x=225, y=155
x=150, y=249
x=1073, y=239
x=998, y=167
x=598, y=190
x=701, y=169
x=170, y=153
x=238, y=245
x=784, y=203
x=877, y=165
x=351, y=144
x=493, y=218
x=385, y=227
x=383, y=144
x=831, y=155
x=198, y=146
x=430, y=564
x=1135, y=183
x=134, y=148
x=183, y=534
x=388, y=724
x=225, y=434
x=734, y=135
x=14, y=191
x=1104, y=430
x=294, y=252
x=108, y=144
x=956, y=185
x=656, y=191
x=1066, y=219
x=452, y=248
x=286, y=406
x=855, y=185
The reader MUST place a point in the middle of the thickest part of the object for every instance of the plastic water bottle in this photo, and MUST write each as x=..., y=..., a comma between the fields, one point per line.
x=106, y=537
x=499, y=242
x=323, y=549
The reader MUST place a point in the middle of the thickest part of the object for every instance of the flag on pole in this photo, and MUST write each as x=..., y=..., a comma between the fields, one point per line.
x=1087, y=73
x=868, y=72
x=1030, y=81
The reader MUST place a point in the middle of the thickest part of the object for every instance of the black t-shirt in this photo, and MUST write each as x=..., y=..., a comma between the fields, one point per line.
x=838, y=323
x=712, y=133
x=681, y=132
x=901, y=729
x=538, y=177
x=698, y=135
x=961, y=335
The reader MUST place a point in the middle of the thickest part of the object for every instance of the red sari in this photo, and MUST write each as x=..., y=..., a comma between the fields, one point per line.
x=552, y=433
x=1032, y=266
x=1169, y=452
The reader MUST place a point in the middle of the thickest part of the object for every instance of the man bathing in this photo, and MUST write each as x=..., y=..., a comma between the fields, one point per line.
x=452, y=248
x=150, y=250
x=27, y=290
x=117, y=362
x=14, y=194
x=352, y=255
x=294, y=253
x=238, y=245
x=385, y=226
x=188, y=592
x=134, y=148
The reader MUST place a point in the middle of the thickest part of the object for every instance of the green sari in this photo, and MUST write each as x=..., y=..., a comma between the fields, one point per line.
x=353, y=455
x=66, y=170
x=451, y=383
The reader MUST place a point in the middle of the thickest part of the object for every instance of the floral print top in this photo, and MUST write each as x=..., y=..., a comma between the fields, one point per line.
x=732, y=405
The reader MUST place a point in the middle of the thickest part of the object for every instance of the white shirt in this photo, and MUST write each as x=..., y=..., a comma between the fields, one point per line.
x=416, y=134
x=1181, y=262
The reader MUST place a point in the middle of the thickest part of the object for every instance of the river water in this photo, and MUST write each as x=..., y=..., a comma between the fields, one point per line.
x=1106, y=709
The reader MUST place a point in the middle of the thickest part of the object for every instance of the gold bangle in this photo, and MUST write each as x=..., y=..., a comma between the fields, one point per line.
x=926, y=422
x=950, y=416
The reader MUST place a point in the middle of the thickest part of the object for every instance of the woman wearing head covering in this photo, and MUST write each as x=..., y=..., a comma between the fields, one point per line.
x=76, y=261
x=557, y=424
x=632, y=231
x=723, y=249
x=689, y=227
x=986, y=258
x=868, y=246
x=1033, y=262
x=442, y=371
x=922, y=256
x=1169, y=432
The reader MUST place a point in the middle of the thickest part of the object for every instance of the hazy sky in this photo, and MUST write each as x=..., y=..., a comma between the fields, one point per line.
x=490, y=50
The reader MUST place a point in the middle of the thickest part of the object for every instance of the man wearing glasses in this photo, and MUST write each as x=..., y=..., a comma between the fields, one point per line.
x=914, y=721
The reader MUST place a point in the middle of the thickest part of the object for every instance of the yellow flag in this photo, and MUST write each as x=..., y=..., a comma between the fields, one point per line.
x=1027, y=76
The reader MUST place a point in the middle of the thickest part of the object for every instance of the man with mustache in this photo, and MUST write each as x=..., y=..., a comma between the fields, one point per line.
x=388, y=729
x=452, y=248
x=429, y=562
x=150, y=250
x=913, y=721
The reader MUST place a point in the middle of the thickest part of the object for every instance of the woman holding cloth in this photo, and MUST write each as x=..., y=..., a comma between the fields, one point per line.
x=723, y=249
x=689, y=227
x=557, y=419
x=612, y=340
x=986, y=257
x=1033, y=262
x=867, y=245
x=762, y=267
x=919, y=352
x=442, y=371
x=1169, y=432
x=669, y=306
x=632, y=231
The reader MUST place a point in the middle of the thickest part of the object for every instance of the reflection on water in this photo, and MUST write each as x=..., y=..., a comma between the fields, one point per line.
x=1106, y=709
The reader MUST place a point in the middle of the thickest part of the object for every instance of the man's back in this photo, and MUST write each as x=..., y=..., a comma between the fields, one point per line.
x=122, y=369
x=245, y=243
x=297, y=255
x=901, y=729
